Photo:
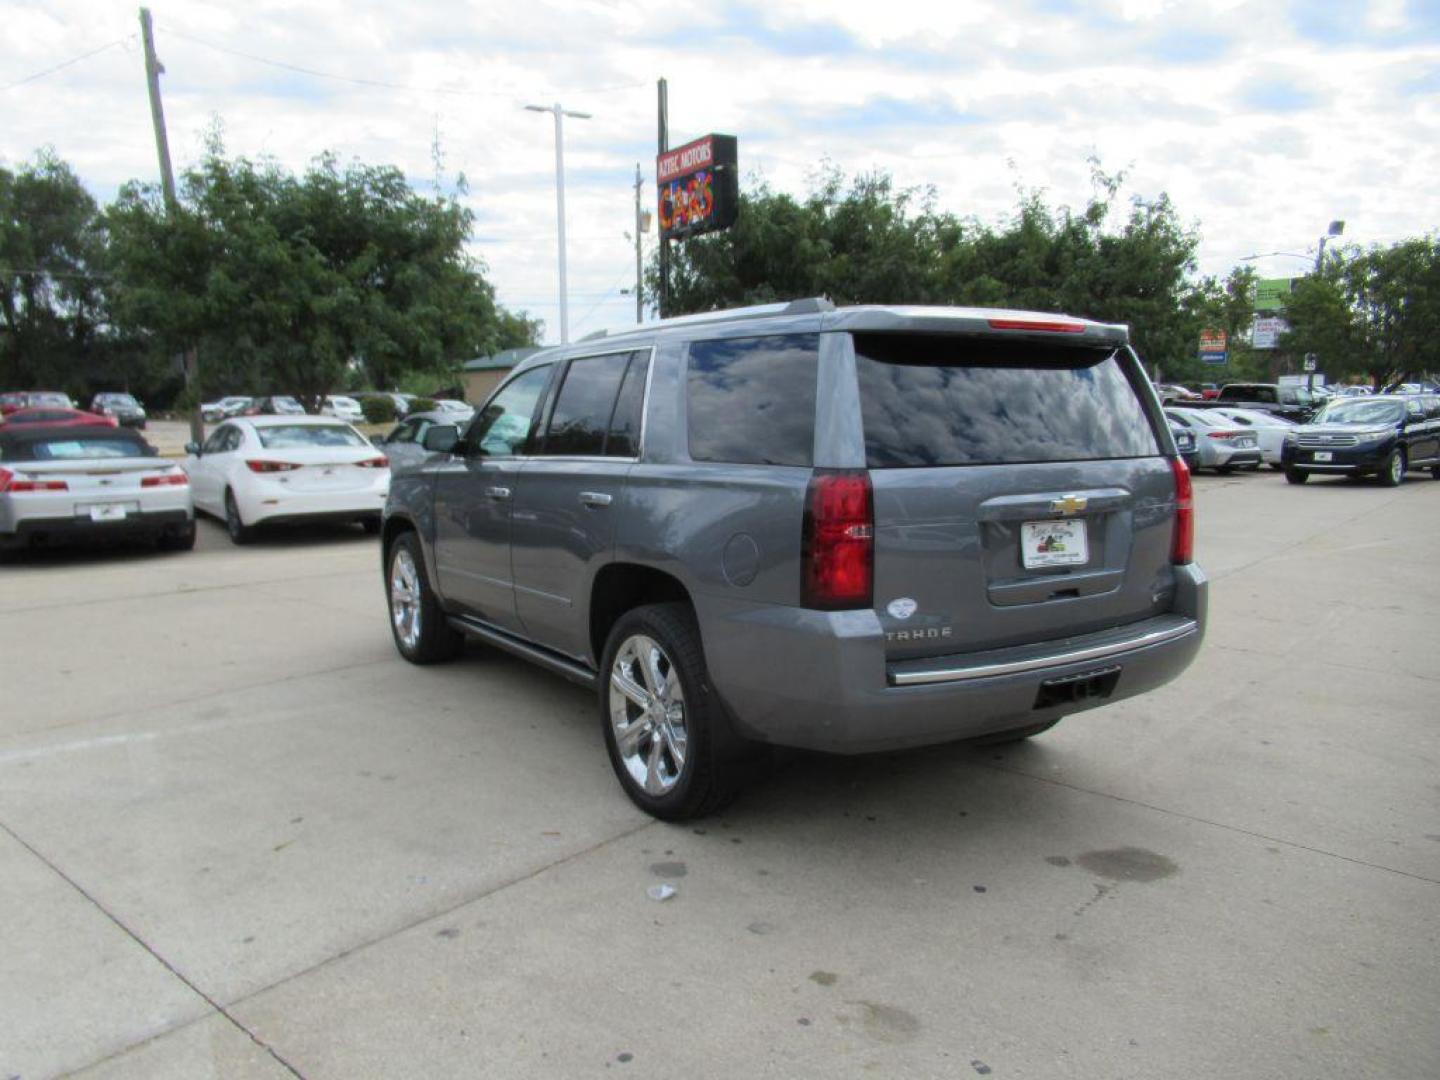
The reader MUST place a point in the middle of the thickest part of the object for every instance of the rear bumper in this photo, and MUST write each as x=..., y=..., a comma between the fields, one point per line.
x=819, y=680
x=265, y=503
x=40, y=530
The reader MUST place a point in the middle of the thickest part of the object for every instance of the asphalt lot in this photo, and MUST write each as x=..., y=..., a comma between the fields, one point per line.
x=239, y=837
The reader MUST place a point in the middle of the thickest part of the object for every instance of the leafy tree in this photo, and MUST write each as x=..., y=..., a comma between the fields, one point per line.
x=51, y=262
x=1370, y=312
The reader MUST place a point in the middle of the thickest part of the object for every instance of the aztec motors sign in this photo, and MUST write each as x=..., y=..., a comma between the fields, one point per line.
x=699, y=187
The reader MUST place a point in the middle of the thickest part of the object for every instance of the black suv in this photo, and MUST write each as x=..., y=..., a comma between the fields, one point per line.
x=1379, y=436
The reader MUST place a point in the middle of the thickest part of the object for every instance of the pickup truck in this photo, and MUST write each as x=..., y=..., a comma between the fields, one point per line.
x=1290, y=402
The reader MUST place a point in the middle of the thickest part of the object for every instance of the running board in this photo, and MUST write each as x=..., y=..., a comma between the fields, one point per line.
x=537, y=654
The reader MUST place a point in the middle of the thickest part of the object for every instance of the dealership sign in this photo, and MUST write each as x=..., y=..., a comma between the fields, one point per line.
x=698, y=186
x=1212, y=346
x=1268, y=329
x=1272, y=294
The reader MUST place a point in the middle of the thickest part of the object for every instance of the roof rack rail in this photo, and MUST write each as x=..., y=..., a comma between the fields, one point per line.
x=595, y=335
x=810, y=305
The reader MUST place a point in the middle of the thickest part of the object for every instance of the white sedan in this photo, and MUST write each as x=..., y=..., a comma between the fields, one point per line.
x=260, y=469
x=1269, y=430
x=342, y=408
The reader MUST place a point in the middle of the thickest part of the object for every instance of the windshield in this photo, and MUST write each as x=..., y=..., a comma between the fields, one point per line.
x=300, y=436
x=118, y=399
x=1351, y=411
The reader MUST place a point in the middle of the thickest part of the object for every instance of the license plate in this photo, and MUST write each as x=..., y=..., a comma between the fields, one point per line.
x=108, y=512
x=1245, y=444
x=1053, y=543
x=1323, y=455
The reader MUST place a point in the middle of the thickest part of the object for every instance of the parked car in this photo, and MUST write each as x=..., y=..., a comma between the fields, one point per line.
x=405, y=445
x=1269, y=431
x=54, y=416
x=273, y=405
x=11, y=401
x=1382, y=436
x=267, y=469
x=69, y=483
x=1209, y=391
x=122, y=408
x=400, y=401
x=35, y=399
x=1223, y=445
x=1292, y=402
x=1353, y=391
x=212, y=412
x=342, y=408
x=453, y=407
x=1185, y=444
x=848, y=530
x=1169, y=392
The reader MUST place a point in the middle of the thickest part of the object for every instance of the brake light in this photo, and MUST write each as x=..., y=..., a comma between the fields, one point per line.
x=257, y=466
x=1226, y=434
x=1047, y=326
x=10, y=483
x=374, y=463
x=166, y=479
x=837, y=568
x=1182, y=541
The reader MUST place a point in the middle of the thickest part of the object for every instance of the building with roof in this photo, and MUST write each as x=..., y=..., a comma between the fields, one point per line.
x=484, y=373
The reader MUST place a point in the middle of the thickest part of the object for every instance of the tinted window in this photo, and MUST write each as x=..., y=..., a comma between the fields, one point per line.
x=501, y=428
x=752, y=400
x=215, y=444
x=930, y=400
x=583, y=407
x=300, y=436
x=79, y=445
x=624, y=437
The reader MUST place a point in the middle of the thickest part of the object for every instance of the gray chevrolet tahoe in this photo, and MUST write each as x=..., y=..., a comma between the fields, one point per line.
x=846, y=529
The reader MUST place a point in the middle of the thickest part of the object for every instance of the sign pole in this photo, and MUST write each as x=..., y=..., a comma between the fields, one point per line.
x=662, y=298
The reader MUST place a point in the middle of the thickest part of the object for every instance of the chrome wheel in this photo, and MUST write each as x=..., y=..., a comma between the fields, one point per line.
x=405, y=598
x=647, y=714
x=1397, y=469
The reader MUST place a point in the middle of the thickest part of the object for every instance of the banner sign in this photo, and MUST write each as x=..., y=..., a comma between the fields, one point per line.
x=699, y=187
x=1272, y=294
x=1268, y=329
x=1212, y=346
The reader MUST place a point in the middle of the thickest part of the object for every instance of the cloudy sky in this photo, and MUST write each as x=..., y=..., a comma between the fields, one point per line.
x=1262, y=120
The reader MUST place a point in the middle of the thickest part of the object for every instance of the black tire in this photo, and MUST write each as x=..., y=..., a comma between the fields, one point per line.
x=181, y=539
x=1435, y=472
x=371, y=525
x=240, y=533
x=1392, y=472
x=1224, y=470
x=708, y=777
x=432, y=639
x=1014, y=735
x=1295, y=476
x=1277, y=466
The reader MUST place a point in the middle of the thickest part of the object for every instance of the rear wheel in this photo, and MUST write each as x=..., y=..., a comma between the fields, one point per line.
x=1435, y=472
x=665, y=731
x=1393, y=471
x=421, y=633
x=1019, y=734
x=1295, y=476
x=371, y=525
x=240, y=533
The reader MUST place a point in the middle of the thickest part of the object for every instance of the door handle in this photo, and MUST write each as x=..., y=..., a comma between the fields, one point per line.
x=595, y=498
x=499, y=494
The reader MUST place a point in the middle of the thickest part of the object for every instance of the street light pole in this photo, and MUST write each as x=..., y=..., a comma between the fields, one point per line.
x=560, y=114
x=1336, y=229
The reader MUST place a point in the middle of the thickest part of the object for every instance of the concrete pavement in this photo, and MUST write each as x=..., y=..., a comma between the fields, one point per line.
x=240, y=838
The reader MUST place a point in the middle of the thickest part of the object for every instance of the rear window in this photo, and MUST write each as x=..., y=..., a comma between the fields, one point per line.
x=79, y=446
x=931, y=400
x=298, y=436
x=752, y=400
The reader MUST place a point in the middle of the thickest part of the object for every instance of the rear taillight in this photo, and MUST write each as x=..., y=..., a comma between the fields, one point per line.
x=257, y=466
x=374, y=463
x=9, y=482
x=1182, y=541
x=167, y=479
x=839, y=542
x=1226, y=434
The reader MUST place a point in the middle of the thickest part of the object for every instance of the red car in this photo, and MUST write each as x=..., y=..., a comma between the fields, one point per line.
x=58, y=418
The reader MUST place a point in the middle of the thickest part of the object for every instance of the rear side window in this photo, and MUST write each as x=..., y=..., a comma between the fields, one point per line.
x=752, y=400
x=932, y=400
x=624, y=440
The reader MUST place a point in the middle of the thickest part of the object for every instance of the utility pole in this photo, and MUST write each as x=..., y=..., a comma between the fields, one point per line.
x=662, y=299
x=639, y=228
x=153, y=71
x=560, y=114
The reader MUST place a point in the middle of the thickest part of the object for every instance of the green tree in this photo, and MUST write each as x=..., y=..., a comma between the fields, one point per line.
x=290, y=284
x=51, y=262
x=1371, y=312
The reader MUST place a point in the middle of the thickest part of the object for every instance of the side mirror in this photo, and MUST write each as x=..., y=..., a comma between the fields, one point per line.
x=192, y=448
x=441, y=439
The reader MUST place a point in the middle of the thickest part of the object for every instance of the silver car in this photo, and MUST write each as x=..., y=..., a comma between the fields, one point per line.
x=1223, y=444
x=1269, y=430
x=66, y=483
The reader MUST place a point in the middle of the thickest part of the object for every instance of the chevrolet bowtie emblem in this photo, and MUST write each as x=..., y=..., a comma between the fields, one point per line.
x=1070, y=504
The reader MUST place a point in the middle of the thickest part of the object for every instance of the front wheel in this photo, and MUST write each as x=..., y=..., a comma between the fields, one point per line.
x=665, y=731
x=1295, y=476
x=1393, y=471
x=416, y=619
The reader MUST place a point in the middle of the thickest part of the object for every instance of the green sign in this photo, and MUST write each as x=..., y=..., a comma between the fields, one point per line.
x=1272, y=294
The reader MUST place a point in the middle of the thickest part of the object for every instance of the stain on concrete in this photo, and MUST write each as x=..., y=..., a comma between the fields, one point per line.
x=1057, y=860
x=804, y=1021
x=760, y=928
x=881, y=1022
x=824, y=978
x=624, y=1057
x=979, y=888
x=980, y=1067
x=668, y=869
x=450, y=933
x=1433, y=836
x=1128, y=864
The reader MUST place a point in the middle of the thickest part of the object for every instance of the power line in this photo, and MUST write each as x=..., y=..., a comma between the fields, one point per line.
x=379, y=83
x=67, y=63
